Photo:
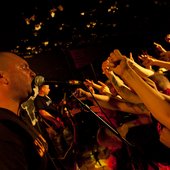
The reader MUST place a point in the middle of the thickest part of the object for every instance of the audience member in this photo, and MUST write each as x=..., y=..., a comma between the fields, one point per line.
x=157, y=149
x=105, y=137
x=150, y=61
x=167, y=38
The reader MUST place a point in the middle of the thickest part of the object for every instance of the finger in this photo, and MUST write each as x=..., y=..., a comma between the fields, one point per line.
x=111, y=65
x=131, y=57
x=101, y=83
x=86, y=84
x=140, y=57
x=118, y=53
x=110, y=58
x=143, y=58
x=115, y=56
x=155, y=43
x=88, y=81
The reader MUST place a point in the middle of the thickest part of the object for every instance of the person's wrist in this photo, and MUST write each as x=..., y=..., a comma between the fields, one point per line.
x=155, y=62
x=124, y=75
x=129, y=64
x=87, y=94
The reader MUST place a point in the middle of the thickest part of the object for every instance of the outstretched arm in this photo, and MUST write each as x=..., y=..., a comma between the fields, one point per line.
x=101, y=87
x=157, y=103
x=122, y=89
x=155, y=62
x=114, y=103
x=159, y=47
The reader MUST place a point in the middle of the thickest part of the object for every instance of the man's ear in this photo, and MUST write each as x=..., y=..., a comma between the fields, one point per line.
x=3, y=79
x=1, y=74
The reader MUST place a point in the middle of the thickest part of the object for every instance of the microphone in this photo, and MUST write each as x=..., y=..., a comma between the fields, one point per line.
x=75, y=82
x=53, y=82
x=68, y=82
x=38, y=80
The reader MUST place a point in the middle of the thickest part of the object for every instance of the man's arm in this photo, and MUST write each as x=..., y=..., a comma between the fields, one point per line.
x=46, y=115
x=114, y=103
x=121, y=88
x=156, y=103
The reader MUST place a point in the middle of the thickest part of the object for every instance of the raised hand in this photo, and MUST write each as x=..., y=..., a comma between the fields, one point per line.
x=88, y=82
x=104, y=88
x=159, y=47
x=80, y=93
x=116, y=56
x=131, y=57
x=107, y=67
x=147, y=60
x=101, y=87
x=111, y=62
x=118, y=62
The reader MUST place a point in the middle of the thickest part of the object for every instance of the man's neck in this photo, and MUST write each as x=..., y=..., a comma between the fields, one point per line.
x=41, y=94
x=12, y=106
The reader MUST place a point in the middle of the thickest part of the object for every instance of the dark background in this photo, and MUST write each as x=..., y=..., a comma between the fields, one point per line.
x=75, y=51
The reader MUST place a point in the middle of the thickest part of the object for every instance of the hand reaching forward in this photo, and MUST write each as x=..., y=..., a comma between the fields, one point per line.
x=116, y=56
x=88, y=82
x=107, y=68
x=90, y=85
x=111, y=62
x=80, y=93
x=101, y=87
x=147, y=60
x=159, y=47
x=118, y=62
x=104, y=88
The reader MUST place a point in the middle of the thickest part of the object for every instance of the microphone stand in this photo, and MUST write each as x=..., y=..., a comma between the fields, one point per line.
x=103, y=121
x=118, y=135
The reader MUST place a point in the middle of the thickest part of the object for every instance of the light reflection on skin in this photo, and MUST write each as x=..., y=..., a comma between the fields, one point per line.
x=167, y=38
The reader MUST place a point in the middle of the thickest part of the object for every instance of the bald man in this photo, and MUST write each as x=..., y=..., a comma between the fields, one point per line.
x=21, y=147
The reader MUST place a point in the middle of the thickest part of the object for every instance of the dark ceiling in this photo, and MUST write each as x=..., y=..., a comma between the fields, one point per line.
x=81, y=32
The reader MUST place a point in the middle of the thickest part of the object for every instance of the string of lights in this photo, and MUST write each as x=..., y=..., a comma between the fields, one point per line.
x=74, y=24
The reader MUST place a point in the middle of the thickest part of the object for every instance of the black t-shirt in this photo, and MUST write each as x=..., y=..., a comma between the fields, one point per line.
x=45, y=103
x=21, y=147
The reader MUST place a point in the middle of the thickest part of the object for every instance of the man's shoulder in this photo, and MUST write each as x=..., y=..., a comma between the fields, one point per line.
x=8, y=134
x=39, y=98
x=13, y=123
x=6, y=114
x=9, y=126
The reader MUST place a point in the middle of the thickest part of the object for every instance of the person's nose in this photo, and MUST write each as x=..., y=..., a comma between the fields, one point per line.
x=32, y=73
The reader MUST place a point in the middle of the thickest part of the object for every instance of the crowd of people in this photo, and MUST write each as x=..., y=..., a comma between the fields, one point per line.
x=139, y=90
x=131, y=108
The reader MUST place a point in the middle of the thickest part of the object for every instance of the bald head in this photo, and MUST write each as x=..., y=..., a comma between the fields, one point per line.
x=6, y=58
x=15, y=76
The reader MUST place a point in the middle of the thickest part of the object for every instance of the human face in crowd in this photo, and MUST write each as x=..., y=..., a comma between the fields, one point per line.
x=45, y=89
x=167, y=38
x=19, y=76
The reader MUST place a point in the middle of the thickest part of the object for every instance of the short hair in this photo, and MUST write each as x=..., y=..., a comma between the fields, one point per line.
x=43, y=84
